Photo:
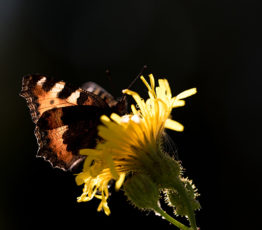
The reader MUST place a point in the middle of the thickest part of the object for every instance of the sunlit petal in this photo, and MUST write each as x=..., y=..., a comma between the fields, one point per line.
x=187, y=93
x=174, y=125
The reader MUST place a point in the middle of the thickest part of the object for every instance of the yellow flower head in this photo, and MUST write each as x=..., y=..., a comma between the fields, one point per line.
x=130, y=142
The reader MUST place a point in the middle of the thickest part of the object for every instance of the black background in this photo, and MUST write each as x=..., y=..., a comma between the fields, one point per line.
x=214, y=45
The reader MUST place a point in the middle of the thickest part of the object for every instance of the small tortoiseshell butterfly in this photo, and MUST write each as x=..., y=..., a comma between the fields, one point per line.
x=66, y=117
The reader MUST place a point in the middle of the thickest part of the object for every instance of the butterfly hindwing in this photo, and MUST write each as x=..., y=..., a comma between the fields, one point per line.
x=53, y=149
x=61, y=132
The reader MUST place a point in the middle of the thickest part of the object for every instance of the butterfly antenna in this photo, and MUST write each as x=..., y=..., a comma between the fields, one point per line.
x=135, y=79
x=140, y=73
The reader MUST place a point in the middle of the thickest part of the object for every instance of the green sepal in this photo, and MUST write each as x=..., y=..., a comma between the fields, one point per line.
x=175, y=199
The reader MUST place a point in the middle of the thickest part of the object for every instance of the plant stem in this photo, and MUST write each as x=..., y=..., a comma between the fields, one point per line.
x=171, y=219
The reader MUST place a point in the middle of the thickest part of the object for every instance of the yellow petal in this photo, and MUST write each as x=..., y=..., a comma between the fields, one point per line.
x=174, y=125
x=80, y=178
x=177, y=103
x=111, y=165
x=88, y=151
x=136, y=119
x=161, y=88
x=167, y=88
x=151, y=91
x=145, y=82
x=100, y=206
x=140, y=102
x=105, y=207
x=129, y=92
x=187, y=93
x=113, y=134
x=159, y=92
x=152, y=81
x=104, y=119
x=115, y=117
x=133, y=108
x=120, y=181
x=84, y=151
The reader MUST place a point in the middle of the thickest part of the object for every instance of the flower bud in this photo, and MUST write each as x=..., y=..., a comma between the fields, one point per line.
x=175, y=199
x=142, y=192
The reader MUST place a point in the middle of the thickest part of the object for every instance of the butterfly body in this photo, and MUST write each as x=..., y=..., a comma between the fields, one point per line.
x=66, y=117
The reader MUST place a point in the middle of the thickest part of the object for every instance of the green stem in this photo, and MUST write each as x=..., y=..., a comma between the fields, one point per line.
x=171, y=219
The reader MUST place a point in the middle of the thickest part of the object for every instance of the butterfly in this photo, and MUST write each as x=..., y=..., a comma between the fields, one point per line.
x=66, y=117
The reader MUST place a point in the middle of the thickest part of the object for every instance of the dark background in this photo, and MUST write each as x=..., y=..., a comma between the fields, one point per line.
x=214, y=45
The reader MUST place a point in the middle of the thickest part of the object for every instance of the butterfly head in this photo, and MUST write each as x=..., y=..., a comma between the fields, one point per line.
x=121, y=106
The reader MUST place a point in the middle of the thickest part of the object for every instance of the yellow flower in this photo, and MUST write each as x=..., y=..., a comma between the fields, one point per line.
x=130, y=142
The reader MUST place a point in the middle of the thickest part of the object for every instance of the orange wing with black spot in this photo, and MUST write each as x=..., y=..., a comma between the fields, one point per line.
x=43, y=93
x=66, y=118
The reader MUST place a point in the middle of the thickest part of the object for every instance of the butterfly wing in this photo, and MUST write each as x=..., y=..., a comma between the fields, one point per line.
x=117, y=106
x=61, y=132
x=101, y=92
x=43, y=93
x=66, y=119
